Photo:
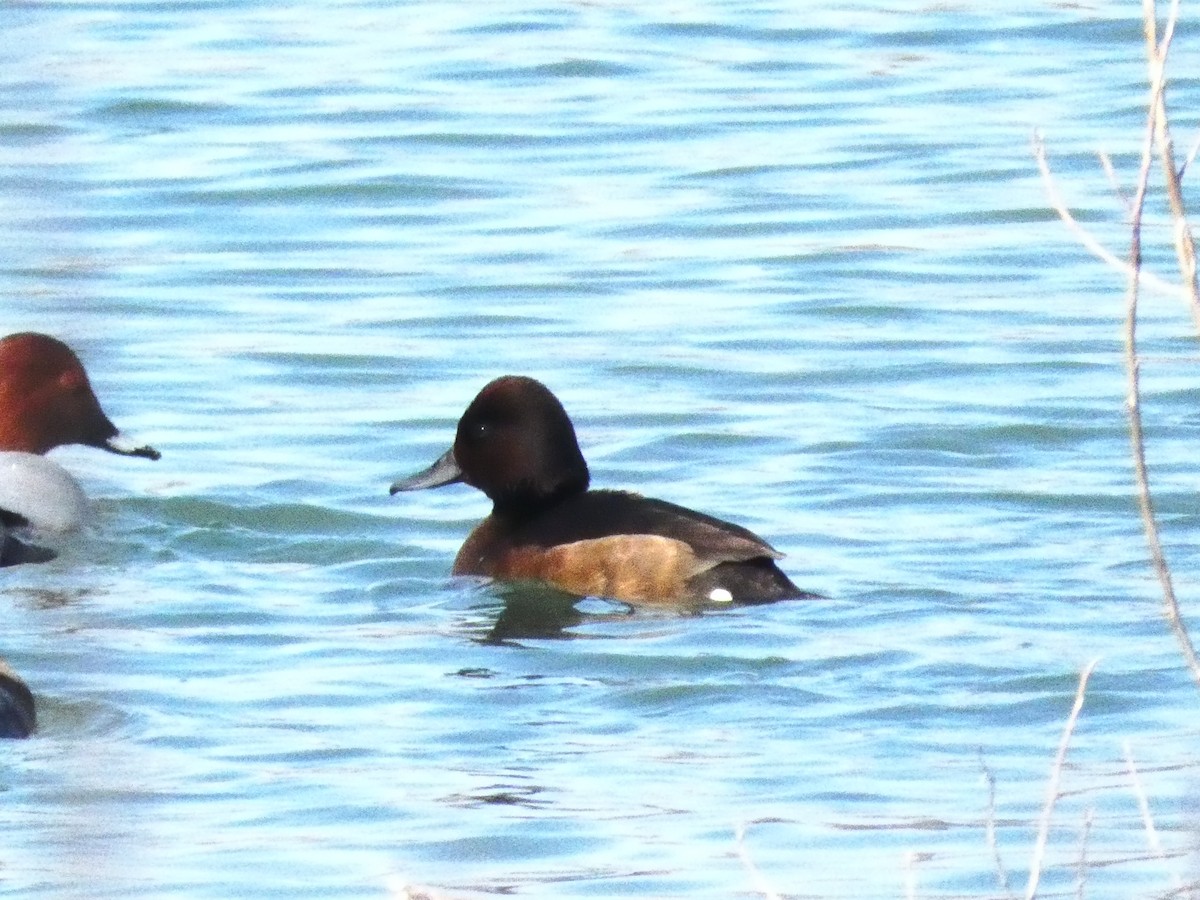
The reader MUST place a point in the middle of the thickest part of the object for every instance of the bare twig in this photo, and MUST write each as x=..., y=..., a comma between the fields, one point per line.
x=1157, y=130
x=1132, y=365
x=1115, y=183
x=1082, y=870
x=910, y=876
x=989, y=828
x=1085, y=237
x=1190, y=159
x=756, y=877
x=1060, y=758
x=1156, y=52
x=1143, y=804
x=1139, y=792
x=398, y=889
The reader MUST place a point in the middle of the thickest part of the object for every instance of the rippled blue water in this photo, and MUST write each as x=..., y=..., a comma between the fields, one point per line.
x=791, y=266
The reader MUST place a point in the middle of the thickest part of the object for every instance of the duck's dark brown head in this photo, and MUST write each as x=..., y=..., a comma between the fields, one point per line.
x=515, y=443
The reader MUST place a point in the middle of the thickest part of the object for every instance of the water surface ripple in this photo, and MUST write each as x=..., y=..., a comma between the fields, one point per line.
x=791, y=266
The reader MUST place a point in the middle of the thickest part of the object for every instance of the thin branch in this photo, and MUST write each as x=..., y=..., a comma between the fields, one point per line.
x=989, y=828
x=1156, y=128
x=1081, y=872
x=756, y=877
x=1052, y=794
x=1084, y=236
x=1191, y=157
x=1132, y=365
x=910, y=875
x=1143, y=801
x=1114, y=182
x=1143, y=804
x=1156, y=52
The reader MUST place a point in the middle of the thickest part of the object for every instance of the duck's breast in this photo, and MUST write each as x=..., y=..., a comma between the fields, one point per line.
x=40, y=492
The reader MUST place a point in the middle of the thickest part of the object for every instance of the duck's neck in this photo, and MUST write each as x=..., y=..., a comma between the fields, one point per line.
x=523, y=504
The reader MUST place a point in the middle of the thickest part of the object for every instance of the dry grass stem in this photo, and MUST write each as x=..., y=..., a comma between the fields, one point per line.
x=1052, y=793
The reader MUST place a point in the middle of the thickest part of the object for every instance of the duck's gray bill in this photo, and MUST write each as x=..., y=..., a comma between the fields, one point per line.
x=444, y=471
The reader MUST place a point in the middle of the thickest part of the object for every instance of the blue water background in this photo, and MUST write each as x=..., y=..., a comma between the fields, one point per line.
x=791, y=264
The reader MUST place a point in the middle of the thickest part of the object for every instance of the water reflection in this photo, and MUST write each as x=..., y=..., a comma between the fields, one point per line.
x=46, y=598
x=530, y=609
x=15, y=552
x=18, y=716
